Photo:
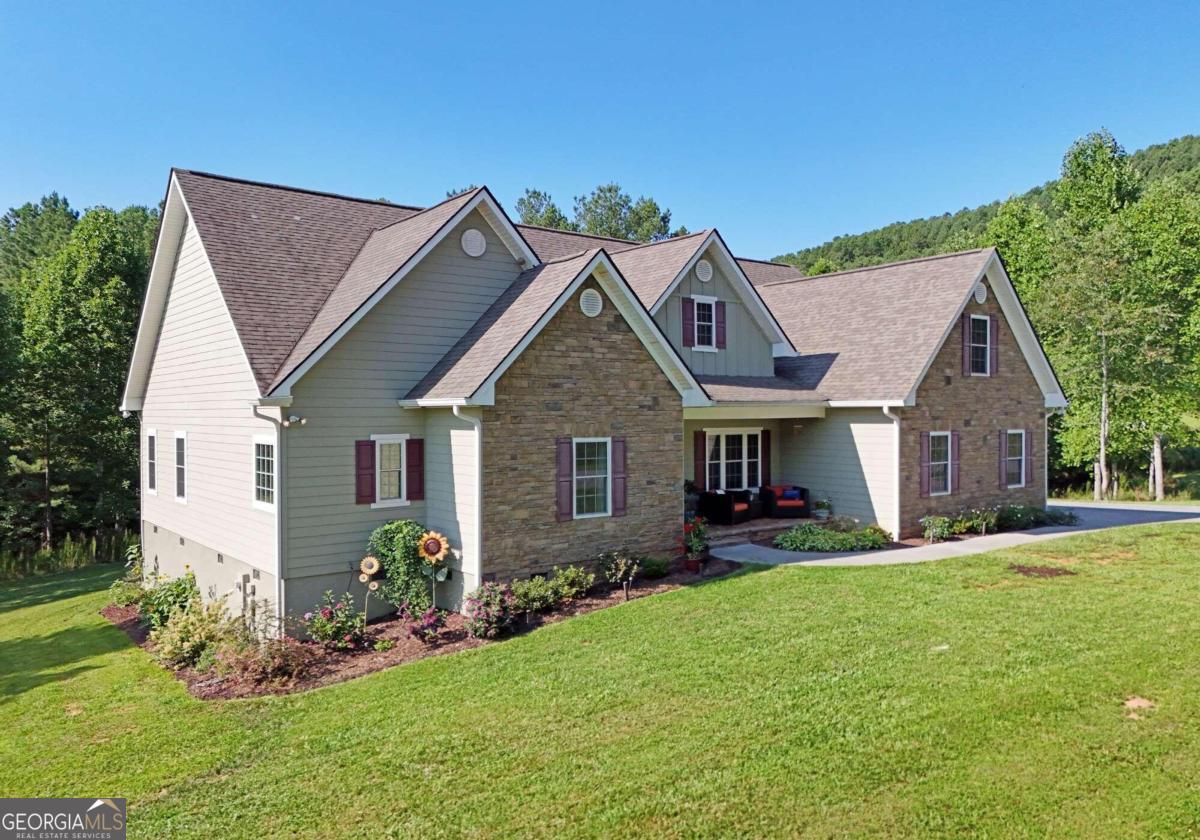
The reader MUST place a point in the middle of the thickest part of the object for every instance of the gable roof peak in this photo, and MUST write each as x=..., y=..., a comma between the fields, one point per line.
x=880, y=266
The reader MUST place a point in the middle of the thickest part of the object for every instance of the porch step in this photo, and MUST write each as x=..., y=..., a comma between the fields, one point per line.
x=752, y=531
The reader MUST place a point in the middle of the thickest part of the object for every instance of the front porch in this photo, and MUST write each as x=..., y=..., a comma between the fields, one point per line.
x=755, y=530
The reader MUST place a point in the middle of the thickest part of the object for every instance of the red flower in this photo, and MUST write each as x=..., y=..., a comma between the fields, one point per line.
x=326, y=612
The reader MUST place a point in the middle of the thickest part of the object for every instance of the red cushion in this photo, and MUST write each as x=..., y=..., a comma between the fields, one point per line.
x=740, y=506
x=789, y=502
x=778, y=489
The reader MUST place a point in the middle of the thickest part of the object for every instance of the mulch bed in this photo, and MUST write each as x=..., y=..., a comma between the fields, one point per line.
x=1040, y=571
x=338, y=666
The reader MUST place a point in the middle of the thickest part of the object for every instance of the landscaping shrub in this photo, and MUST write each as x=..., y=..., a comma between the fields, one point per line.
x=336, y=623
x=421, y=625
x=572, y=582
x=397, y=545
x=534, y=595
x=975, y=521
x=937, y=528
x=190, y=633
x=694, y=541
x=1020, y=517
x=280, y=661
x=655, y=567
x=620, y=567
x=488, y=611
x=165, y=596
x=842, y=524
x=811, y=537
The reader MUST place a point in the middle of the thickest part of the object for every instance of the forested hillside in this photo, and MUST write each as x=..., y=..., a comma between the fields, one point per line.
x=963, y=229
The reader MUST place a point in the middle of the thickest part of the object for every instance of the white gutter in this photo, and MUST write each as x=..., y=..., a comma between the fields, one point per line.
x=478, y=424
x=895, y=418
x=280, y=500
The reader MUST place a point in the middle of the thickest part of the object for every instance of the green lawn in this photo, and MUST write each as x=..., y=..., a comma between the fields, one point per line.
x=1180, y=488
x=946, y=698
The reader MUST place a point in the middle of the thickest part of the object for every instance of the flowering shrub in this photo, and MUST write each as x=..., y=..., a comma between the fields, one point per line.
x=336, y=623
x=937, y=528
x=280, y=661
x=488, y=610
x=166, y=595
x=192, y=633
x=571, y=582
x=422, y=625
x=620, y=568
x=694, y=541
x=398, y=547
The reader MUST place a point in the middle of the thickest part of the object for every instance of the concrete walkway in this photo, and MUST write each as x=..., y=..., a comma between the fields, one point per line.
x=1093, y=516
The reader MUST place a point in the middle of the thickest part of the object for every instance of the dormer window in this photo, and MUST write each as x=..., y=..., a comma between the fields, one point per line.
x=980, y=348
x=706, y=323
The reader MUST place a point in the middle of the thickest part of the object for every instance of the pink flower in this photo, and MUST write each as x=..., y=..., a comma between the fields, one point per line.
x=308, y=616
x=339, y=606
x=326, y=612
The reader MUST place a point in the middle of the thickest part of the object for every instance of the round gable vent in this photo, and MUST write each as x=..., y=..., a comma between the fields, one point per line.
x=590, y=303
x=473, y=243
x=981, y=293
x=703, y=271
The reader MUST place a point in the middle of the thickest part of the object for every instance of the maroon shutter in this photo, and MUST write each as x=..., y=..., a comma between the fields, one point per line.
x=699, y=460
x=564, y=498
x=966, y=335
x=924, y=465
x=619, y=489
x=414, y=465
x=689, y=322
x=1003, y=477
x=364, y=472
x=720, y=316
x=1029, y=457
x=993, y=345
x=954, y=463
x=764, y=458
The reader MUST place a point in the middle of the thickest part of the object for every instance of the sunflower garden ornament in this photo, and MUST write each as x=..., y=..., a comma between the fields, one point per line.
x=432, y=549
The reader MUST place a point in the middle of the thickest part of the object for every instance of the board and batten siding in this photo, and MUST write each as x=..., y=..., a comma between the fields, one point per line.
x=748, y=350
x=200, y=383
x=849, y=457
x=351, y=393
x=452, y=494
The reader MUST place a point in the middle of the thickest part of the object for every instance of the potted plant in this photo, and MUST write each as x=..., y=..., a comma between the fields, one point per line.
x=822, y=509
x=695, y=544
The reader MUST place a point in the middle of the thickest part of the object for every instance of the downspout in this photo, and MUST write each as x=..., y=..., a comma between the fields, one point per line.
x=895, y=418
x=477, y=422
x=280, y=501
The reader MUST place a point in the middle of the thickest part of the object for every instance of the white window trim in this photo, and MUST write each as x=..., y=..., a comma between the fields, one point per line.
x=269, y=440
x=187, y=473
x=949, y=463
x=696, y=345
x=152, y=466
x=1007, y=458
x=743, y=431
x=403, y=500
x=608, y=501
x=987, y=355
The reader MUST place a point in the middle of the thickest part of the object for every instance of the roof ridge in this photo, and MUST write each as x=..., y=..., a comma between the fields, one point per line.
x=578, y=233
x=704, y=232
x=569, y=257
x=765, y=262
x=423, y=212
x=930, y=258
x=288, y=188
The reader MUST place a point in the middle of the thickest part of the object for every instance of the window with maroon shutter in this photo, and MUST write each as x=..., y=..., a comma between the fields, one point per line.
x=699, y=459
x=563, y=491
x=1002, y=475
x=1029, y=457
x=619, y=483
x=689, y=322
x=937, y=463
x=364, y=472
x=924, y=465
x=414, y=457
x=954, y=462
x=720, y=307
x=966, y=344
x=766, y=457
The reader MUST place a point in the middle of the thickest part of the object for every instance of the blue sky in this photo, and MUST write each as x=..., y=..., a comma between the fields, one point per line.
x=783, y=125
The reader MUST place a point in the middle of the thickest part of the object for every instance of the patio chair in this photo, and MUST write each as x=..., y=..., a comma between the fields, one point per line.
x=730, y=507
x=777, y=506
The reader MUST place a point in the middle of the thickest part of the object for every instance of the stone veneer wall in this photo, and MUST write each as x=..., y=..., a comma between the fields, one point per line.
x=583, y=377
x=978, y=408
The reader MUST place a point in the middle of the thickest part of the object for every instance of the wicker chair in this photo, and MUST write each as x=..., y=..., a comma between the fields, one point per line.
x=728, y=508
x=777, y=507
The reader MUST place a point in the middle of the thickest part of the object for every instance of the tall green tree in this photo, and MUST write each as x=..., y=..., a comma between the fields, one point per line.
x=537, y=208
x=1021, y=232
x=32, y=232
x=605, y=211
x=1097, y=181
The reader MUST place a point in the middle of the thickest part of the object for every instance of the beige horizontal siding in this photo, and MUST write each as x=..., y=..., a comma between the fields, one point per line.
x=200, y=383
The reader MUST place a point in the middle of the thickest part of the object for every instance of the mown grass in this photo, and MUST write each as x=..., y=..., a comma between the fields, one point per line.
x=948, y=698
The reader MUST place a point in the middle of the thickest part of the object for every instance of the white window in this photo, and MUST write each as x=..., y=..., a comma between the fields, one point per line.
x=939, y=463
x=592, y=477
x=181, y=466
x=390, y=490
x=706, y=323
x=152, y=462
x=1014, y=458
x=981, y=327
x=264, y=472
x=734, y=462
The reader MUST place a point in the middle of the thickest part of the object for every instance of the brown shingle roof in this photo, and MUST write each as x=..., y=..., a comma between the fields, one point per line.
x=650, y=268
x=778, y=388
x=872, y=329
x=553, y=244
x=383, y=254
x=759, y=272
x=469, y=363
x=277, y=253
